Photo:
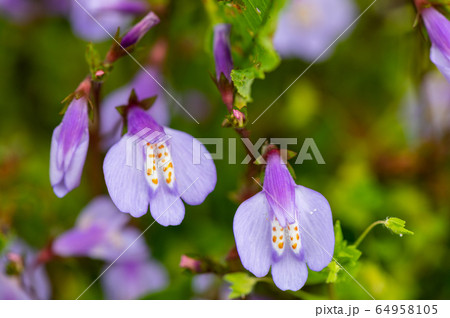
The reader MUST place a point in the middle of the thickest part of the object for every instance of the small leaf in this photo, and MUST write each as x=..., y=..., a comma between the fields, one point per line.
x=241, y=284
x=397, y=226
x=243, y=80
x=92, y=59
x=345, y=255
x=333, y=268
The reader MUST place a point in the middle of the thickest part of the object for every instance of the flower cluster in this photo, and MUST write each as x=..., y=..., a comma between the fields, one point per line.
x=101, y=233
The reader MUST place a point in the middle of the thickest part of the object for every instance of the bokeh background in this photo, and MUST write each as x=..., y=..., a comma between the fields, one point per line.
x=355, y=104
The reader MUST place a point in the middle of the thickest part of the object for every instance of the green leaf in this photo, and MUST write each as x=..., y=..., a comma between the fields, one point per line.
x=346, y=255
x=241, y=284
x=333, y=268
x=243, y=80
x=253, y=24
x=397, y=226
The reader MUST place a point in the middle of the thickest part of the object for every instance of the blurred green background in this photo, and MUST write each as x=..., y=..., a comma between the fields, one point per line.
x=351, y=104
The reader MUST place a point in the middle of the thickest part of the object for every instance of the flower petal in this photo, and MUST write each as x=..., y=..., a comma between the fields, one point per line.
x=316, y=227
x=195, y=177
x=126, y=183
x=10, y=289
x=279, y=188
x=166, y=206
x=70, y=142
x=441, y=61
x=87, y=28
x=78, y=242
x=101, y=211
x=251, y=227
x=131, y=280
x=289, y=272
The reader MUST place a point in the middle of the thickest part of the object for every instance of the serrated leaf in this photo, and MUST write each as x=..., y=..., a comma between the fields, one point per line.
x=397, y=226
x=241, y=284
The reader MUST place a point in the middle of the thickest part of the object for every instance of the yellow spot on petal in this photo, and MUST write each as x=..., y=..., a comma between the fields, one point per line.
x=280, y=245
x=274, y=239
x=155, y=181
x=294, y=246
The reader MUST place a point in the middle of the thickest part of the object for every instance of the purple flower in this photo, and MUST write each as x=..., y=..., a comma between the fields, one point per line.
x=19, y=11
x=110, y=14
x=100, y=232
x=438, y=27
x=285, y=227
x=428, y=115
x=307, y=27
x=139, y=30
x=32, y=281
x=111, y=124
x=222, y=51
x=132, y=279
x=155, y=165
x=69, y=147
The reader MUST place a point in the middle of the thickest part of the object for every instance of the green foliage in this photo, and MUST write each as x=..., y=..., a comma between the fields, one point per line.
x=346, y=255
x=241, y=284
x=253, y=24
x=397, y=226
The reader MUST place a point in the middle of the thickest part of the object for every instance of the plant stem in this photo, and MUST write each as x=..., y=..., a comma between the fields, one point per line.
x=364, y=234
x=96, y=170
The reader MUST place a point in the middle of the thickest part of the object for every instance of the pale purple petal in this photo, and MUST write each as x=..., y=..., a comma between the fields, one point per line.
x=102, y=10
x=19, y=11
x=435, y=104
x=166, y=206
x=126, y=181
x=100, y=234
x=307, y=27
x=279, y=188
x=222, y=51
x=79, y=242
x=70, y=142
x=102, y=212
x=132, y=280
x=201, y=283
x=251, y=227
x=441, y=61
x=10, y=289
x=36, y=280
x=289, y=272
x=438, y=27
x=194, y=169
x=316, y=227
